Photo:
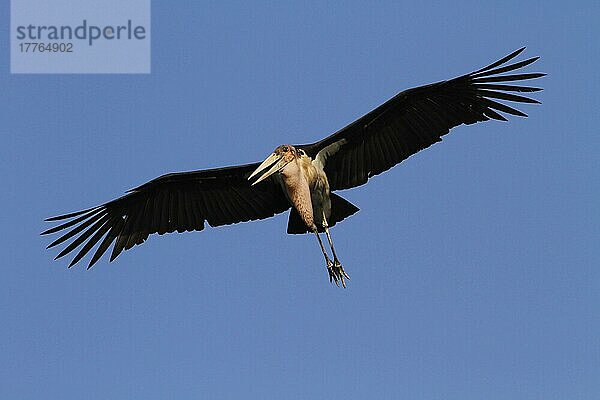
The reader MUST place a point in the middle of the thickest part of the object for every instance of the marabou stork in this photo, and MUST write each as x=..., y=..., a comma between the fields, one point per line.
x=301, y=177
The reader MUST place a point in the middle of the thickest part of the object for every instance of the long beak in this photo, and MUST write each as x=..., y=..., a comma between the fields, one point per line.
x=274, y=161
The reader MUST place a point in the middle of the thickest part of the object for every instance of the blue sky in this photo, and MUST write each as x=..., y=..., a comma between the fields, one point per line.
x=474, y=264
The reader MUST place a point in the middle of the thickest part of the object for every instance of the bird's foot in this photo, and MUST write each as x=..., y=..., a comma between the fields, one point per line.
x=336, y=272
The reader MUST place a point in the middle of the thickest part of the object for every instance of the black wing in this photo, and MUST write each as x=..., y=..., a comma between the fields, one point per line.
x=417, y=118
x=174, y=202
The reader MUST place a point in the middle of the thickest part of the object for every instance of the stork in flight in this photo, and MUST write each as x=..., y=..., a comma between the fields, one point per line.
x=302, y=177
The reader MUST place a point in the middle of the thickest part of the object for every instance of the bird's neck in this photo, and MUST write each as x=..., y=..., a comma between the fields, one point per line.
x=292, y=175
x=298, y=191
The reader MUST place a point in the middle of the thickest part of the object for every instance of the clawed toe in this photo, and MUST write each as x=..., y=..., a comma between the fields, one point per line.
x=337, y=273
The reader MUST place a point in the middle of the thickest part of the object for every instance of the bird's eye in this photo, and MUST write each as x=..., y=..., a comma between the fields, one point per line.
x=284, y=148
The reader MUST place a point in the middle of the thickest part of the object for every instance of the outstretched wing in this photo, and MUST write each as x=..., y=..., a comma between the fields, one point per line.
x=174, y=202
x=417, y=118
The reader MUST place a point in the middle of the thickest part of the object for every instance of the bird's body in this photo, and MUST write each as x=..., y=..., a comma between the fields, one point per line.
x=306, y=188
x=301, y=177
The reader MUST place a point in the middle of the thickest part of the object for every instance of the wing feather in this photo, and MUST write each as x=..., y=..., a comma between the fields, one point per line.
x=417, y=118
x=174, y=202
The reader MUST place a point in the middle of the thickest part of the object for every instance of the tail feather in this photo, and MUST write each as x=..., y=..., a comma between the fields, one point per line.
x=340, y=209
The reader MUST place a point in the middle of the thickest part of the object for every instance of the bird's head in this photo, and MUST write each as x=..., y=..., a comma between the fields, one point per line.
x=281, y=156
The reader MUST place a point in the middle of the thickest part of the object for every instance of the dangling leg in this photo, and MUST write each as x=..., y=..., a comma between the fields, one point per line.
x=334, y=275
x=337, y=268
x=327, y=259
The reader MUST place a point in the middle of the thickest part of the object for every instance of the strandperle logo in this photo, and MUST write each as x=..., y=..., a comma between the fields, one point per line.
x=85, y=32
x=80, y=37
